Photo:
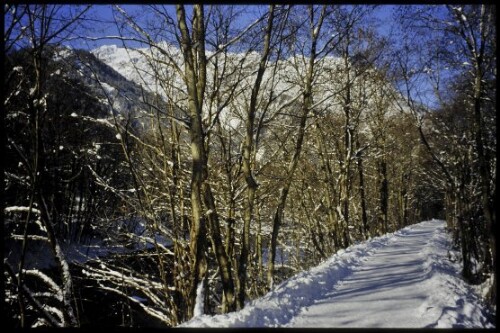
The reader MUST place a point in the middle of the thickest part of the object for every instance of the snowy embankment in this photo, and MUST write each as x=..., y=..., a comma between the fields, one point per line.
x=404, y=279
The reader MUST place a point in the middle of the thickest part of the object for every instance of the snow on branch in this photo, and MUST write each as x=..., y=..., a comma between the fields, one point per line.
x=153, y=291
x=149, y=310
x=48, y=281
x=32, y=299
x=21, y=209
x=55, y=311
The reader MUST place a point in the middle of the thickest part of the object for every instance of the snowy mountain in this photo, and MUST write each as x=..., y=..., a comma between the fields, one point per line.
x=148, y=67
x=120, y=95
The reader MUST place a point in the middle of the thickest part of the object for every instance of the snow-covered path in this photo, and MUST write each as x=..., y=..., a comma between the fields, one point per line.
x=405, y=279
x=388, y=289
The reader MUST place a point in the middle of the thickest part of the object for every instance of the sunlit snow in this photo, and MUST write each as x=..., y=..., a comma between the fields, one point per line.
x=407, y=279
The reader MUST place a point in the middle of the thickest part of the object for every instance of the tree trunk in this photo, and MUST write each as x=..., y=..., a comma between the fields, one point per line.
x=384, y=196
x=345, y=166
x=362, y=193
x=307, y=102
x=279, y=212
x=249, y=154
x=330, y=188
x=195, y=78
x=486, y=197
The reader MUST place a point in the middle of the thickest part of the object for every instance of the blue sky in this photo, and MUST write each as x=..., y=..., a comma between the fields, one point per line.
x=105, y=24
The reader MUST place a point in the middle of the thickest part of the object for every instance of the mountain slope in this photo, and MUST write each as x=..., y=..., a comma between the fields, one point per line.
x=405, y=279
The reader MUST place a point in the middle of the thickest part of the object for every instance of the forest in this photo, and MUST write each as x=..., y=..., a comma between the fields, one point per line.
x=192, y=157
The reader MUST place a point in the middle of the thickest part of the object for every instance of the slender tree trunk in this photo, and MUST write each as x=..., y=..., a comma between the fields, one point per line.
x=198, y=175
x=346, y=163
x=248, y=148
x=362, y=193
x=258, y=247
x=464, y=241
x=315, y=228
x=201, y=193
x=307, y=102
x=279, y=212
x=330, y=188
x=486, y=197
x=384, y=196
x=220, y=253
x=69, y=318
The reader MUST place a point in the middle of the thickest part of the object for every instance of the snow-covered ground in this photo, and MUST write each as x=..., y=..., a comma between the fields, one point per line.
x=40, y=256
x=407, y=279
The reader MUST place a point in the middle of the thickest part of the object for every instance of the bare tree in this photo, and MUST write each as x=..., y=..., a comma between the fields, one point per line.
x=248, y=155
x=315, y=22
x=467, y=33
x=35, y=27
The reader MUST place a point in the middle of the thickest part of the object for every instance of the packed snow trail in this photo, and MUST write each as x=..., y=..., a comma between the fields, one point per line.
x=401, y=280
x=390, y=289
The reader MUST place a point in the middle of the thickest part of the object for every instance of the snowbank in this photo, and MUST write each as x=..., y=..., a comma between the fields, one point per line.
x=445, y=299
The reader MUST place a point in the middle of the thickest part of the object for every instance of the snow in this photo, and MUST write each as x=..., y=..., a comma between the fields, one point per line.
x=259, y=154
x=142, y=66
x=234, y=123
x=95, y=248
x=200, y=295
x=57, y=292
x=139, y=299
x=63, y=53
x=407, y=279
x=109, y=89
x=134, y=64
x=21, y=209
